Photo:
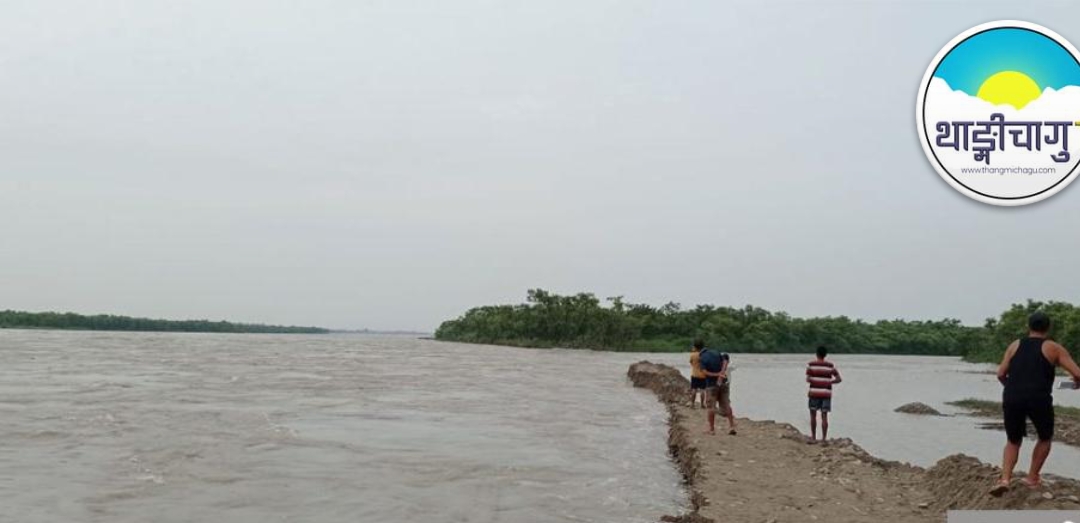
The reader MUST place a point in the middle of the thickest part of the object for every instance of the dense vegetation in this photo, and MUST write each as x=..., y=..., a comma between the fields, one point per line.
x=583, y=321
x=56, y=320
x=999, y=332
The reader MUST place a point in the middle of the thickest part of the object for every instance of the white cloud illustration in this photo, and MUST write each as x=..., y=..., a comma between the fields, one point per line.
x=945, y=105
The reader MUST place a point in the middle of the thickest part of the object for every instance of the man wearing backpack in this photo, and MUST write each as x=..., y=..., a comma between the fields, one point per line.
x=718, y=386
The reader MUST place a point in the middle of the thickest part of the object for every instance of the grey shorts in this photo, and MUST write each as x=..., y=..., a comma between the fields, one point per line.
x=720, y=396
x=822, y=404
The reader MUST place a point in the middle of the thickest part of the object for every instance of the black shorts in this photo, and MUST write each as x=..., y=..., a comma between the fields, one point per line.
x=697, y=383
x=1018, y=411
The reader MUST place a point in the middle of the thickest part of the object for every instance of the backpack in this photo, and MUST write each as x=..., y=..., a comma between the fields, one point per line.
x=712, y=360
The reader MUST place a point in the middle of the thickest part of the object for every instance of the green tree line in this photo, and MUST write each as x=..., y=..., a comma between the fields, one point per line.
x=999, y=332
x=102, y=322
x=584, y=321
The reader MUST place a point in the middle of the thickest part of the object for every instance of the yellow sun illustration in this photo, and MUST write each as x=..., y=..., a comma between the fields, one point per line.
x=1010, y=87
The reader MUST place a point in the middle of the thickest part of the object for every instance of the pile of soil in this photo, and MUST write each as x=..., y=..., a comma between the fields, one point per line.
x=770, y=472
x=921, y=409
x=961, y=482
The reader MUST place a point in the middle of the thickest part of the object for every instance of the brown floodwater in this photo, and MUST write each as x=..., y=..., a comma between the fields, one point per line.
x=130, y=427
x=135, y=427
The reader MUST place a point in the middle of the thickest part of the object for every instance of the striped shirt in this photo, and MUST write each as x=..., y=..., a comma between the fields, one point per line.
x=820, y=374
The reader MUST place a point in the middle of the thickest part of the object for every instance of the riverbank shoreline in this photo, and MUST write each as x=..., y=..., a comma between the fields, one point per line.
x=1066, y=426
x=769, y=472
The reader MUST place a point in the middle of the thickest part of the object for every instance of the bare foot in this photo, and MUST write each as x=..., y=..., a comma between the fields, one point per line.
x=1032, y=483
x=1000, y=488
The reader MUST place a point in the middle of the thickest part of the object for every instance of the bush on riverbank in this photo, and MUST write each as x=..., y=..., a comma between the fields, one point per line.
x=583, y=321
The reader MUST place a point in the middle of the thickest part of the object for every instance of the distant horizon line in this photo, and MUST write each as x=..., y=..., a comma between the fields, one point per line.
x=332, y=330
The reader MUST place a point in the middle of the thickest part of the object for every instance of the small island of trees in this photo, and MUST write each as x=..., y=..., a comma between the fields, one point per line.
x=583, y=321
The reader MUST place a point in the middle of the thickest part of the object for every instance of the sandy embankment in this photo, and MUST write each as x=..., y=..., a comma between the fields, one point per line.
x=769, y=473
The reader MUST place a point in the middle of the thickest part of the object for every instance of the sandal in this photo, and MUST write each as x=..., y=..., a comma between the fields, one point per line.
x=1000, y=488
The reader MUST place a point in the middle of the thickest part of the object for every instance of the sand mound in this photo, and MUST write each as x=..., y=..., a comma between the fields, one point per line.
x=962, y=483
x=665, y=381
x=918, y=408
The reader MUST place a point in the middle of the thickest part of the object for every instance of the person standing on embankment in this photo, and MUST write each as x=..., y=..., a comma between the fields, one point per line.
x=821, y=375
x=715, y=365
x=697, y=376
x=1028, y=371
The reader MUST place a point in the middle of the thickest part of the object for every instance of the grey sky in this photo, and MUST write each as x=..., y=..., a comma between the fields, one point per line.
x=390, y=164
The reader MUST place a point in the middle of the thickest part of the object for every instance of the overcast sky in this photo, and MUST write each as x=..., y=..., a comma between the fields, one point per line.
x=391, y=164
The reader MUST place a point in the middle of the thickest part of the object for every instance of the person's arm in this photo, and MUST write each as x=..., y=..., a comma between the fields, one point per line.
x=836, y=376
x=723, y=369
x=808, y=374
x=1003, y=369
x=1065, y=360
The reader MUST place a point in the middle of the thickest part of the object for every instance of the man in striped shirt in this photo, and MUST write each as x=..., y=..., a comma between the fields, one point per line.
x=821, y=375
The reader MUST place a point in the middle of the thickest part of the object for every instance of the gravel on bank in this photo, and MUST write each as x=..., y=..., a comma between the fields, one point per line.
x=769, y=472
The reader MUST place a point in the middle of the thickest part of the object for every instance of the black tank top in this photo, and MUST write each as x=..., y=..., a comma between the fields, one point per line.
x=1030, y=374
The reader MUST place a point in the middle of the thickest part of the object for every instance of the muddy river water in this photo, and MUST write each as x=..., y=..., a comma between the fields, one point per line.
x=133, y=427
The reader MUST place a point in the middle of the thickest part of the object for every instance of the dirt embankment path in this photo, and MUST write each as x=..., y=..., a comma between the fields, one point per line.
x=769, y=473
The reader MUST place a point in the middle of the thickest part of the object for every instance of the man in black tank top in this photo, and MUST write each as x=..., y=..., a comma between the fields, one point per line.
x=1027, y=372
